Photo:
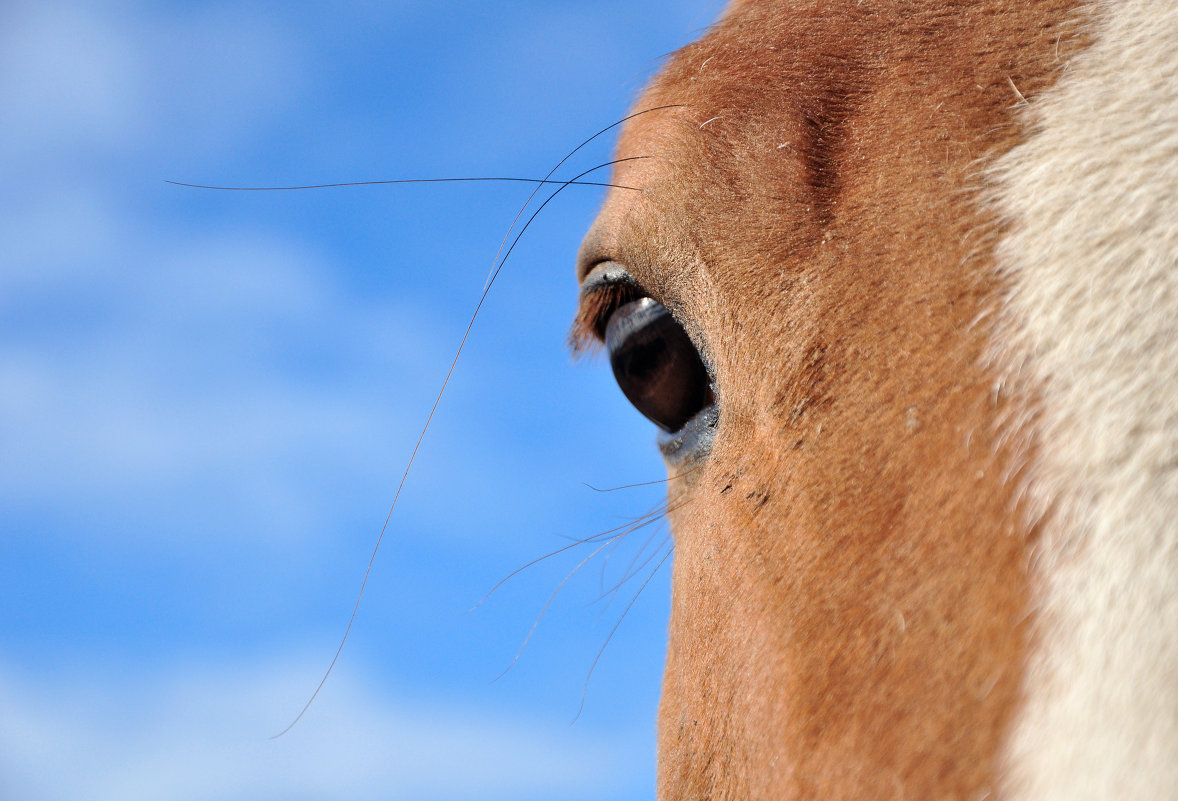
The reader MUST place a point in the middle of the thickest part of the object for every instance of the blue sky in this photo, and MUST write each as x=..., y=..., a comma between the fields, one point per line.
x=207, y=399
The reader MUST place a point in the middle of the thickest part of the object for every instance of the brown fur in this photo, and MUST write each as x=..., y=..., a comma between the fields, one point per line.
x=850, y=575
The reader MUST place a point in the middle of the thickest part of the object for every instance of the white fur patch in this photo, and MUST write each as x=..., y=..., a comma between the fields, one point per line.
x=1093, y=260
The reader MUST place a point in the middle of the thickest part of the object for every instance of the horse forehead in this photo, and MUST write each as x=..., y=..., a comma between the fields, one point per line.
x=743, y=104
x=687, y=135
x=724, y=72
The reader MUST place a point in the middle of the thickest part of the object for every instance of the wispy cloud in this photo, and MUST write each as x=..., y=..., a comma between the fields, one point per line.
x=123, y=380
x=200, y=733
x=99, y=78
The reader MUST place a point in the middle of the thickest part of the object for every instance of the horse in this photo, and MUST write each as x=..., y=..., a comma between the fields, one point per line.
x=897, y=282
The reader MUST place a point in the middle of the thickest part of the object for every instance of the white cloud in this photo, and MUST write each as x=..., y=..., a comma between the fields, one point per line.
x=67, y=75
x=203, y=734
x=56, y=235
x=160, y=378
x=81, y=79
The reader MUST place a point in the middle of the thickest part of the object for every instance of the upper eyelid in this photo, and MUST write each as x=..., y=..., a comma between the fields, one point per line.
x=606, y=273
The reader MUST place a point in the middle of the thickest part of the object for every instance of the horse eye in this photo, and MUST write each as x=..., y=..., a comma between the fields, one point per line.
x=657, y=367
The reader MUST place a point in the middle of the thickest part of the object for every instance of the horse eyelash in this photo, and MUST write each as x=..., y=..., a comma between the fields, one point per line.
x=587, y=333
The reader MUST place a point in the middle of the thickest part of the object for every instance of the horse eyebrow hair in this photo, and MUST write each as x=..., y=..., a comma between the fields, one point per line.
x=548, y=179
x=497, y=267
x=495, y=270
x=500, y=262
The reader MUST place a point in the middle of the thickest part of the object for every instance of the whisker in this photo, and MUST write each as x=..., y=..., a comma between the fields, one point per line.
x=421, y=437
x=596, y=659
x=632, y=570
x=495, y=272
x=548, y=603
x=627, y=574
x=647, y=519
x=666, y=510
x=656, y=511
x=666, y=480
x=605, y=563
x=629, y=527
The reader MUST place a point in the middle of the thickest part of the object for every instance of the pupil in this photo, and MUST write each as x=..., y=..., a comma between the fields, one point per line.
x=656, y=365
x=643, y=359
